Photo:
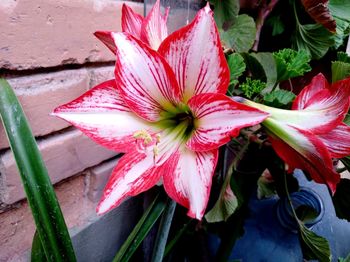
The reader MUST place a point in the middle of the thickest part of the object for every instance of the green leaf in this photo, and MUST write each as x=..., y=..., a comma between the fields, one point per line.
x=279, y=98
x=342, y=31
x=277, y=25
x=163, y=231
x=225, y=12
x=343, y=57
x=226, y=204
x=340, y=9
x=241, y=35
x=268, y=63
x=341, y=198
x=37, y=254
x=340, y=70
x=237, y=67
x=306, y=213
x=266, y=188
x=252, y=87
x=177, y=237
x=314, y=39
x=141, y=229
x=255, y=68
x=347, y=259
x=291, y=63
x=314, y=246
x=347, y=119
x=41, y=197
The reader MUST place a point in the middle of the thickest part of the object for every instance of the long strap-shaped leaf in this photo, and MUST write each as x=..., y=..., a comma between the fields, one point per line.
x=41, y=197
x=141, y=229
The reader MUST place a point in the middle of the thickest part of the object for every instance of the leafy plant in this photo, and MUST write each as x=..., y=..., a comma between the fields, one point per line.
x=49, y=221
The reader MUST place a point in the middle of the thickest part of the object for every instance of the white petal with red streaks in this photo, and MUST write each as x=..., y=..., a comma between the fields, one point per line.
x=218, y=118
x=103, y=116
x=302, y=149
x=134, y=174
x=189, y=177
x=144, y=78
x=131, y=22
x=337, y=141
x=318, y=83
x=106, y=37
x=195, y=54
x=154, y=29
x=317, y=118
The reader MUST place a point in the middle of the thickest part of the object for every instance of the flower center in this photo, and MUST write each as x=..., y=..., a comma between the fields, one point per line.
x=187, y=119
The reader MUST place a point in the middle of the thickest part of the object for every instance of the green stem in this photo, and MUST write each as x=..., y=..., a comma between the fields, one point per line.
x=290, y=200
x=163, y=231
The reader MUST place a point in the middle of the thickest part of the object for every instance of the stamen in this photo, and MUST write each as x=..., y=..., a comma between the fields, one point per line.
x=143, y=134
x=157, y=138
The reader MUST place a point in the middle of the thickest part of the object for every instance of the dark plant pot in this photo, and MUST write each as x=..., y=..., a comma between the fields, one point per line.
x=270, y=231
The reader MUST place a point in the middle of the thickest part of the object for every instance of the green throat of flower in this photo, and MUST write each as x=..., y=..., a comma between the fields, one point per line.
x=182, y=122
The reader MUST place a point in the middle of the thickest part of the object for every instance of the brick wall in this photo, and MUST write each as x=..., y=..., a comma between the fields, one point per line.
x=50, y=56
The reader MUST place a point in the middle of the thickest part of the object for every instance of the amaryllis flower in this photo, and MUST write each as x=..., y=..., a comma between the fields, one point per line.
x=167, y=111
x=313, y=132
x=152, y=29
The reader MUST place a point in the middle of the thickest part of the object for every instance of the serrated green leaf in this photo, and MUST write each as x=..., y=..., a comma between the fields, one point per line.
x=314, y=246
x=268, y=63
x=313, y=38
x=341, y=198
x=236, y=65
x=252, y=87
x=340, y=70
x=241, y=35
x=225, y=12
x=291, y=63
x=343, y=57
x=279, y=98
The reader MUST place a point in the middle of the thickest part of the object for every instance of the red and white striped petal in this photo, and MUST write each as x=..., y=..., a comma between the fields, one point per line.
x=302, y=149
x=217, y=119
x=154, y=29
x=144, y=78
x=317, y=118
x=189, y=177
x=318, y=83
x=106, y=37
x=134, y=174
x=102, y=115
x=131, y=21
x=337, y=141
x=195, y=54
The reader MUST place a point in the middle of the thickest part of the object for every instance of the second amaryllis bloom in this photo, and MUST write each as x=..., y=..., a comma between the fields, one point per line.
x=152, y=29
x=167, y=111
x=313, y=132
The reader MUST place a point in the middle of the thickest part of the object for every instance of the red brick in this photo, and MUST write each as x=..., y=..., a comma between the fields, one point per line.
x=40, y=94
x=98, y=178
x=64, y=155
x=45, y=33
x=100, y=74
